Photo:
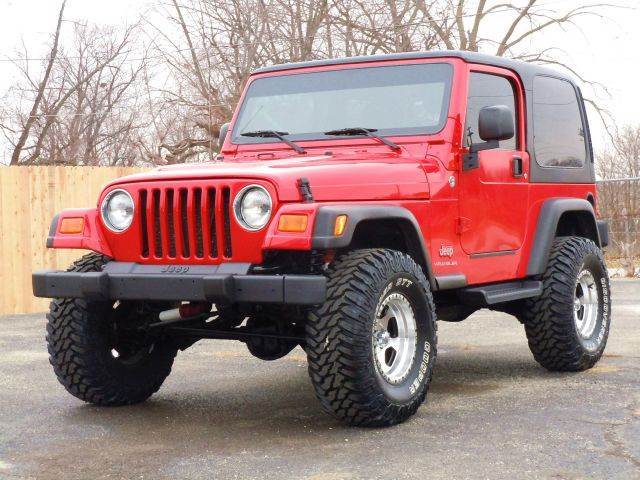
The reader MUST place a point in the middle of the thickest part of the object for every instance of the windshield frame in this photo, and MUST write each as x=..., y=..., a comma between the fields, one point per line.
x=235, y=137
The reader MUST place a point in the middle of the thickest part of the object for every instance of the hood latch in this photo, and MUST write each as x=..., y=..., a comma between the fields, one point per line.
x=305, y=189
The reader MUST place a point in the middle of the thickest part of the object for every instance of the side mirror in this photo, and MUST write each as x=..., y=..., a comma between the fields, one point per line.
x=495, y=123
x=224, y=129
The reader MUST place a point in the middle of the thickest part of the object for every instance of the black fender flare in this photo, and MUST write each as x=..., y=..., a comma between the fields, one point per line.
x=547, y=225
x=324, y=239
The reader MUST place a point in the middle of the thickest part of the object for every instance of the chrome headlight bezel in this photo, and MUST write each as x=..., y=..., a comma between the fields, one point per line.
x=104, y=214
x=237, y=208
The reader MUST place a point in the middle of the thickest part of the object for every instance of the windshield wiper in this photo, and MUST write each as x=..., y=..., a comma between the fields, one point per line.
x=273, y=134
x=369, y=132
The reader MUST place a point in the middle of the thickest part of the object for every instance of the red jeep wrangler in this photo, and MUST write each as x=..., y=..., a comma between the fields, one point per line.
x=353, y=203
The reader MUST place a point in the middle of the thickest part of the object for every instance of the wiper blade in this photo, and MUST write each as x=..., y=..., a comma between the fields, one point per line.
x=273, y=134
x=369, y=132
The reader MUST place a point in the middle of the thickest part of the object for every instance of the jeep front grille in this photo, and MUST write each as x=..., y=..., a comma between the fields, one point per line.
x=185, y=222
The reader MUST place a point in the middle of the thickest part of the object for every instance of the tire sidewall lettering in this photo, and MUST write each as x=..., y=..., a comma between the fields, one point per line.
x=598, y=340
x=422, y=371
x=418, y=376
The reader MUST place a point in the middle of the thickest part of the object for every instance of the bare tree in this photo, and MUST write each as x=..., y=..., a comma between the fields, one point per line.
x=211, y=52
x=216, y=44
x=466, y=24
x=31, y=119
x=95, y=103
x=368, y=27
x=80, y=108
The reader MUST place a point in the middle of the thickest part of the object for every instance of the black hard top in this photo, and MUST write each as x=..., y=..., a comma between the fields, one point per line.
x=526, y=71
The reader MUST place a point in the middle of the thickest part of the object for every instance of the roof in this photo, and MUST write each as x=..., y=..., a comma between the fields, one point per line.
x=526, y=71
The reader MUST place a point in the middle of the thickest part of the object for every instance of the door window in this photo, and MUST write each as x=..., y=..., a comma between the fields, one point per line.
x=486, y=90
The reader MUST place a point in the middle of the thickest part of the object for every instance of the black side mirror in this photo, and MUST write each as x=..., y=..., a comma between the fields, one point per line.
x=496, y=123
x=224, y=128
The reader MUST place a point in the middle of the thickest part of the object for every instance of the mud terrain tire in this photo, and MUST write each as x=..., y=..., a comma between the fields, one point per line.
x=344, y=334
x=81, y=353
x=558, y=338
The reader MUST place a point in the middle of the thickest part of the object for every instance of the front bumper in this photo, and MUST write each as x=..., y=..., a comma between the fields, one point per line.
x=225, y=283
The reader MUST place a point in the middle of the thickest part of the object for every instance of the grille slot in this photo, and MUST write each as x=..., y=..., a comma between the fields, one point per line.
x=143, y=224
x=226, y=205
x=157, y=234
x=182, y=223
x=198, y=219
x=171, y=225
x=211, y=215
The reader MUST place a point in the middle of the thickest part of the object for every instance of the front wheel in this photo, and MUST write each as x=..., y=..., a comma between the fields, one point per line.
x=98, y=353
x=568, y=325
x=371, y=346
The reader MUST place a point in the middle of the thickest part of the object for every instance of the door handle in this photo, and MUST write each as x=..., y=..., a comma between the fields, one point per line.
x=518, y=168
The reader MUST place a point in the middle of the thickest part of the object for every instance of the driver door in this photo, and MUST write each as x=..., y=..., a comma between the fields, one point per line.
x=493, y=196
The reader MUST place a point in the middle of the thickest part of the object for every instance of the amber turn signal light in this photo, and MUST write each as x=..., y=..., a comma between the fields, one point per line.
x=341, y=223
x=292, y=223
x=72, y=225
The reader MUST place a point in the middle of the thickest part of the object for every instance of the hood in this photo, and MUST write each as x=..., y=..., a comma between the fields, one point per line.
x=354, y=176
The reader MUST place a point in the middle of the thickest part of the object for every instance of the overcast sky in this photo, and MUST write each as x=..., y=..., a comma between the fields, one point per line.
x=606, y=50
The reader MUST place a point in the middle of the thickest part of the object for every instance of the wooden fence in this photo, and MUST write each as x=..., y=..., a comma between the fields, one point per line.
x=29, y=198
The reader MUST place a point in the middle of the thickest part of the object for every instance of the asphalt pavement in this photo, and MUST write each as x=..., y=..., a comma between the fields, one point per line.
x=491, y=412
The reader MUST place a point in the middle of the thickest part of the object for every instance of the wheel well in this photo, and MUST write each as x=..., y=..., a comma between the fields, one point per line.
x=394, y=233
x=578, y=224
x=373, y=226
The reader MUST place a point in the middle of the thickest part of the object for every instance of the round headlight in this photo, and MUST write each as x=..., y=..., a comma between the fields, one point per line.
x=117, y=210
x=252, y=207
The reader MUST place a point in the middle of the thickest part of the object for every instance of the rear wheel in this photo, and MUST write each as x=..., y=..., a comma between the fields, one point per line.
x=568, y=325
x=371, y=346
x=98, y=352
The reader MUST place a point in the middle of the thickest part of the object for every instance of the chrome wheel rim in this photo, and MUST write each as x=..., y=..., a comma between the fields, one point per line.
x=394, y=338
x=585, y=304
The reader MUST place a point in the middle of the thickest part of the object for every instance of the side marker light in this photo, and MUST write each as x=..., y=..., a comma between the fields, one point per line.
x=341, y=223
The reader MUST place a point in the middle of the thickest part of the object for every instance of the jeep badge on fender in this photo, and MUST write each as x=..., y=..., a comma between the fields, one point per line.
x=402, y=189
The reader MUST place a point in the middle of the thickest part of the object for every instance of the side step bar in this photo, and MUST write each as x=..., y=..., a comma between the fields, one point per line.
x=500, y=292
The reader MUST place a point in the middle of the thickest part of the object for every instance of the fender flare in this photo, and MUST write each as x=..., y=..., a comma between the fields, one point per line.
x=547, y=225
x=324, y=239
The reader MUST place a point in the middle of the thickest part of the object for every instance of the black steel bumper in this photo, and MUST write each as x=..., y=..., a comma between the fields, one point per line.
x=227, y=283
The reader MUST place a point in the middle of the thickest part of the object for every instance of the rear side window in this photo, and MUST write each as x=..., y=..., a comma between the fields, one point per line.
x=559, y=135
x=486, y=90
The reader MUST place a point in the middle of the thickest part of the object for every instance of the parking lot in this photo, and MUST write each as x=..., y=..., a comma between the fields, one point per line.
x=491, y=413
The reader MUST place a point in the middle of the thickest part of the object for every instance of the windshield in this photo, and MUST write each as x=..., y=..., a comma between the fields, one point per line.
x=397, y=100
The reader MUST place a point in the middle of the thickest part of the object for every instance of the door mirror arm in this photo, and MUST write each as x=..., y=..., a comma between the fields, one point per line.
x=470, y=159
